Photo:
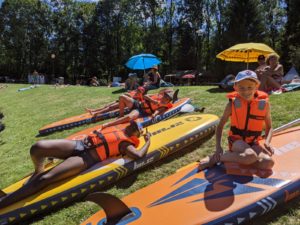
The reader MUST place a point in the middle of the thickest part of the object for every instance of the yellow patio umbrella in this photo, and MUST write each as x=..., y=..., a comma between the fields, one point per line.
x=246, y=52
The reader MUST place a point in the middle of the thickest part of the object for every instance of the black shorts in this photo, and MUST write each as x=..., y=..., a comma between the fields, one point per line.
x=82, y=150
x=137, y=106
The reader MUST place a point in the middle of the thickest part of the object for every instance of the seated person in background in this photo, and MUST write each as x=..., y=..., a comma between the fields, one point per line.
x=271, y=76
x=153, y=79
x=136, y=94
x=131, y=83
x=116, y=84
x=149, y=106
x=244, y=145
x=94, y=82
x=78, y=156
x=261, y=60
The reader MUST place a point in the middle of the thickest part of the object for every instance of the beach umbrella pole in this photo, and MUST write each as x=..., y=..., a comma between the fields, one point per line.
x=248, y=59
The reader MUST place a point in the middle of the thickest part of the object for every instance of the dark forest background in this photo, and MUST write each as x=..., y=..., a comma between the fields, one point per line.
x=71, y=38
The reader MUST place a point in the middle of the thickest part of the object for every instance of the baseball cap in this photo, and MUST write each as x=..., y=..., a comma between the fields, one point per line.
x=142, y=89
x=246, y=74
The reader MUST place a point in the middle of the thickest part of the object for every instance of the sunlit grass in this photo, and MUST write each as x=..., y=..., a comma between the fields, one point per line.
x=26, y=112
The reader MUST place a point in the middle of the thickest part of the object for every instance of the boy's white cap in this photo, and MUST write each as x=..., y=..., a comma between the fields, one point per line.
x=246, y=74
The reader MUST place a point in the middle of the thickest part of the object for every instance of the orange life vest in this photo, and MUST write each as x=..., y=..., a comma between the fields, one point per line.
x=136, y=95
x=107, y=141
x=247, y=118
x=149, y=107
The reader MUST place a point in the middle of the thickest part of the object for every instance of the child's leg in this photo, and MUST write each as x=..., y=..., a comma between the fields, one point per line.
x=70, y=167
x=241, y=153
x=125, y=101
x=131, y=116
x=264, y=160
x=61, y=149
x=106, y=108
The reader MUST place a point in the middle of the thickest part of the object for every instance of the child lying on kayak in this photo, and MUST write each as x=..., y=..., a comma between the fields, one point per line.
x=78, y=156
x=150, y=106
x=249, y=112
x=136, y=94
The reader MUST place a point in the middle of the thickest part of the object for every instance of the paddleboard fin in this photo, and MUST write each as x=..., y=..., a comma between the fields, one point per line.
x=2, y=194
x=113, y=207
x=175, y=96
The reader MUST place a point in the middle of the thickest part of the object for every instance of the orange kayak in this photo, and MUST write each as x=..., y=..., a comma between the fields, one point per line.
x=225, y=194
x=78, y=120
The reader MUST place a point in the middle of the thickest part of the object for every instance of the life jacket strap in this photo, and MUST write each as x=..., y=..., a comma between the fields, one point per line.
x=102, y=138
x=256, y=117
x=244, y=133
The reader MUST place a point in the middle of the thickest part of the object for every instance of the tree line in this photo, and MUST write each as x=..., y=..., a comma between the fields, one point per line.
x=70, y=38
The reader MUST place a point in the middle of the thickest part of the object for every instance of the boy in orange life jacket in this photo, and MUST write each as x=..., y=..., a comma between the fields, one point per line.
x=249, y=112
x=78, y=156
x=147, y=107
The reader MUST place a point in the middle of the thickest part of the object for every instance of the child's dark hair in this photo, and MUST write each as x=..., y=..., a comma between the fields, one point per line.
x=132, y=127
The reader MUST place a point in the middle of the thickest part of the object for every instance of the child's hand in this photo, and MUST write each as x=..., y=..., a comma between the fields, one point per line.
x=147, y=135
x=269, y=148
x=218, y=153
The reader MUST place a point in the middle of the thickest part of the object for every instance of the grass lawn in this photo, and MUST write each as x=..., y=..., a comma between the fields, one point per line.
x=25, y=112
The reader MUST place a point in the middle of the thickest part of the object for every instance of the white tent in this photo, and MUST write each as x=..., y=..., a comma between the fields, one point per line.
x=292, y=74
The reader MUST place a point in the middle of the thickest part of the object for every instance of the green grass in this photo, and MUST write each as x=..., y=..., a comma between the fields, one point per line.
x=26, y=112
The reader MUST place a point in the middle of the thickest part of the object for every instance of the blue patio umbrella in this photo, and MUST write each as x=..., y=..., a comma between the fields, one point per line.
x=142, y=61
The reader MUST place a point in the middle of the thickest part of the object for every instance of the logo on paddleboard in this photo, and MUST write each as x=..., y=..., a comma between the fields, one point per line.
x=164, y=129
x=193, y=118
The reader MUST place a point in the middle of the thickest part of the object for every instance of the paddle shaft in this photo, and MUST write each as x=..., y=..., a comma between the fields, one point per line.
x=283, y=127
x=286, y=126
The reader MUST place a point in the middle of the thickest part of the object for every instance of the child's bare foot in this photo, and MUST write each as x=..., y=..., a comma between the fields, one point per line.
x=207, y=162
x=89, y=110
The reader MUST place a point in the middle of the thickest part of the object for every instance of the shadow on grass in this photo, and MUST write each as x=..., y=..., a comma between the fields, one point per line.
x=218, y=90
x=2, y=127
x=119, y=91
x=2, y=142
